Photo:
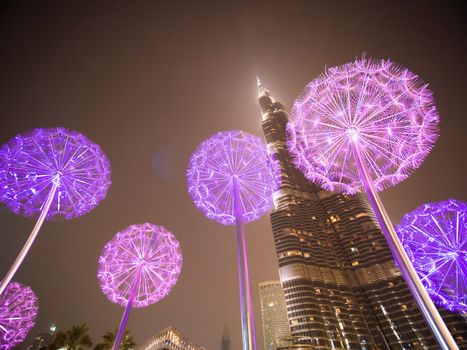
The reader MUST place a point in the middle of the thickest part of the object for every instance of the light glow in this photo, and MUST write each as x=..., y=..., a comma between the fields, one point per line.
x=434, y=236
x=18, y=311
x=226, y=157
x=32, y=162
x=383, y=107
x=145, y=249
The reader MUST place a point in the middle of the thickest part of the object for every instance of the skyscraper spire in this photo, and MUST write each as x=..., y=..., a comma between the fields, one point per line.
x=261, y=89
x=264, y=97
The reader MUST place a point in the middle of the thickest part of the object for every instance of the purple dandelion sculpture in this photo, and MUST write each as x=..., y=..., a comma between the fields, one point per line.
x=138, y=267
x=435, y=237
x=370, y=123
x=18, y=311
x=231, y=179
x=49, y=174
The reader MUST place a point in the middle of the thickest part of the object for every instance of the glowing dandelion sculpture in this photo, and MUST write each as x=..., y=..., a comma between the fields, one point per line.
x=18, y=311
x=138, y=267
x=51, y=174
x=370, y=123
x=231, y=180
x=435, y=237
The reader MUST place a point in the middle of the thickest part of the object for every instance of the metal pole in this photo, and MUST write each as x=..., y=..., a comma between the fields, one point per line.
x=429, y=311
x=246, y=302
x=32, y=237
x=126, y=313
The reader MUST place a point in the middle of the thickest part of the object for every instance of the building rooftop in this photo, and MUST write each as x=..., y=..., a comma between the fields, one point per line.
x=170, y=339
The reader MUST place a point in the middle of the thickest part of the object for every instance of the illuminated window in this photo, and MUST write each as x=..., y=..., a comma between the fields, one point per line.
x=294, y=253
x=354, y=263
x=404, y=307
x=384, y=310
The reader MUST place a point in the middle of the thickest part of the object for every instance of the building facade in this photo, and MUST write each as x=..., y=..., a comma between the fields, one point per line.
x=170, y=339
x=341, y=287
x=273, y=314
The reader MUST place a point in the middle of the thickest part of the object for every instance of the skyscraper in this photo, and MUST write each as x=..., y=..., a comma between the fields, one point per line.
x=273, y=314
x=169, y=339
x=341, y=287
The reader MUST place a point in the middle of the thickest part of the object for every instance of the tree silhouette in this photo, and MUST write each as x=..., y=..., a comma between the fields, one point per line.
x=128, y=343
x=75, y=338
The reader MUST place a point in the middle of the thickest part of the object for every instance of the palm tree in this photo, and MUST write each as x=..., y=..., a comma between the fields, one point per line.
x=75, y=338
x=128, y=343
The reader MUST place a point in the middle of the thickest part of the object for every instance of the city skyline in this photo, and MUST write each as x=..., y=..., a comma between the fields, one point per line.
x=148, y=84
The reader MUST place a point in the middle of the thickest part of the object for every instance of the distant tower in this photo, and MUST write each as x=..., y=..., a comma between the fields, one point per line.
x=274, y=314
x=341, y=287
x=225, y=340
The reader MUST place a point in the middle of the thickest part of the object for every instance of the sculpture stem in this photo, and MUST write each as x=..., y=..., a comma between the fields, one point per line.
x=32, y=237
x=246, y=302
x=429, y=311
x=126, y=313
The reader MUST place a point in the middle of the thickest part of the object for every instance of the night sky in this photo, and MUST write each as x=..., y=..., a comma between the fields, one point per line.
x=148, y=81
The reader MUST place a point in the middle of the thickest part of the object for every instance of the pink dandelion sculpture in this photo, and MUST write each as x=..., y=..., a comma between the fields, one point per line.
x=231, y=179
x=18, y=311
x=51, y=174
x=435, y=236
x=138, y=267
x=375, y=106
x=368, y=123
